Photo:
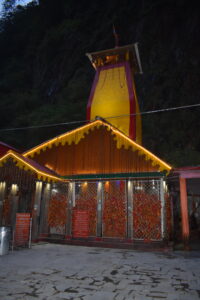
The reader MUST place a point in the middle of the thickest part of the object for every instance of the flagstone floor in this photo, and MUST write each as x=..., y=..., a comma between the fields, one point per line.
x=56, y=272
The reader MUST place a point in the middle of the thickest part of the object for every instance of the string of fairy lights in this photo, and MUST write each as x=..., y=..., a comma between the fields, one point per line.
x=106, y=118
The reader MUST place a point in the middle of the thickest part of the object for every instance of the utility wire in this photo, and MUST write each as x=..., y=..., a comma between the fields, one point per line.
x=156, y=111
x=43, y=126
x=110, y=117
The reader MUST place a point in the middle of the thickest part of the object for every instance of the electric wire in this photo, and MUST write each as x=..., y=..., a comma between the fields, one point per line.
x=155, y=111
x=105, y=118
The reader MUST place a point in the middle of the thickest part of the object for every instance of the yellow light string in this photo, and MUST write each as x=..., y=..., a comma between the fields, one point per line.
x=73, y=136
x=142, y=149
x=22, y=164
x=121, y=140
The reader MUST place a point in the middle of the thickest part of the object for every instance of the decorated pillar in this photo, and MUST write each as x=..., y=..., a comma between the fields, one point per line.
x=14, y=198
x=71, y=201
x=163, y=210
x=184, y=210
x=36, y=209
x=2, y=194
x=130, y=210
x=99, y=208
x=44, y=210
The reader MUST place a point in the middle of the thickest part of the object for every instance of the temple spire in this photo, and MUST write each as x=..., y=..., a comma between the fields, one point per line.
x=116, y=36
x=113, y=92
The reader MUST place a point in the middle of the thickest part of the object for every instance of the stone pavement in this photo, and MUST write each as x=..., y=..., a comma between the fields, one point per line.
x=56, y=272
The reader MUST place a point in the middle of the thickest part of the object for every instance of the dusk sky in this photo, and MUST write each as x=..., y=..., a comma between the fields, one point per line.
x=21, y=2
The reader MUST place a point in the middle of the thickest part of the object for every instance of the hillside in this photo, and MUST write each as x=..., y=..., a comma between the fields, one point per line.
x=45, y=76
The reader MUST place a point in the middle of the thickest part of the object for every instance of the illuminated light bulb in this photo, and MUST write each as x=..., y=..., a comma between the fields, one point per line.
x=48, y=186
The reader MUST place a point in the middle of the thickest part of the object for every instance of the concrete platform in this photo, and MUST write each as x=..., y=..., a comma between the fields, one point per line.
x=54, y=272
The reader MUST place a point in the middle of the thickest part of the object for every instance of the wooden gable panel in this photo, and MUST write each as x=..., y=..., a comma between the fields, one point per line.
x=96, y=153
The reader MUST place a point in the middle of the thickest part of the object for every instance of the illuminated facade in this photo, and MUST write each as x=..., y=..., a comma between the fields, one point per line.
x=96, y=182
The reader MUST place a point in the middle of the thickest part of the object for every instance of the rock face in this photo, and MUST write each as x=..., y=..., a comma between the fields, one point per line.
x=46, y=78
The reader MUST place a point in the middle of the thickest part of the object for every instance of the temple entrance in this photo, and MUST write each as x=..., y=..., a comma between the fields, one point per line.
x=115, y=209
x=54, y=210
x=148, y=213
x=84, y=213
x=112, y=209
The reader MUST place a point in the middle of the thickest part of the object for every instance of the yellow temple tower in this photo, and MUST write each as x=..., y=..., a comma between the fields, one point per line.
x=113, y=96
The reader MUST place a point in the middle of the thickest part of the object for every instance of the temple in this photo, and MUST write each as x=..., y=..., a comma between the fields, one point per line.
x=113, y=95
x=96, y=183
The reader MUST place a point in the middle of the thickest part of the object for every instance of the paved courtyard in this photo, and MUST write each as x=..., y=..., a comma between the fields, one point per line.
x=49, y=271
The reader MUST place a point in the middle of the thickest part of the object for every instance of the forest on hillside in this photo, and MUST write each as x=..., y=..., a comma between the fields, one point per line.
x=45, y=77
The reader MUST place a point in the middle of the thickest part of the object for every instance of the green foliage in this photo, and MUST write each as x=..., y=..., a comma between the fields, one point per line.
x=8, y=5
x=45, y=76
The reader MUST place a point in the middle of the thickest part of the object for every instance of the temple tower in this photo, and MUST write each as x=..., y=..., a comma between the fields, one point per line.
x=113, y=91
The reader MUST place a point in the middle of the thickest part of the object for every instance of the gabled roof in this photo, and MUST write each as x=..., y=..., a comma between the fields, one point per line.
x=5, y=147
x=133, y=54
x=74, y=136
x=26, y=163
x=187, y=172
x=188, y=168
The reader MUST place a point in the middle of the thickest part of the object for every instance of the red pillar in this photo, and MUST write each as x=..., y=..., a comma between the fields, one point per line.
x=184, y=211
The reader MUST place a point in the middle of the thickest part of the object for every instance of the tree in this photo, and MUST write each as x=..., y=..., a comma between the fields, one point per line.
x=8, y=6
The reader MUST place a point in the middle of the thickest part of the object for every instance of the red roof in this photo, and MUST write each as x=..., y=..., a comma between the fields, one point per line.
x=5, y=147
x=194, y=168
x=43, y=172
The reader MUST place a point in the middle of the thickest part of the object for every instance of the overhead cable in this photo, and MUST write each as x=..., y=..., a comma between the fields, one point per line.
x=106, y=118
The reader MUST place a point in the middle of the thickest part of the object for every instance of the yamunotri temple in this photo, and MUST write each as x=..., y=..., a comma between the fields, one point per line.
x=96, y=182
